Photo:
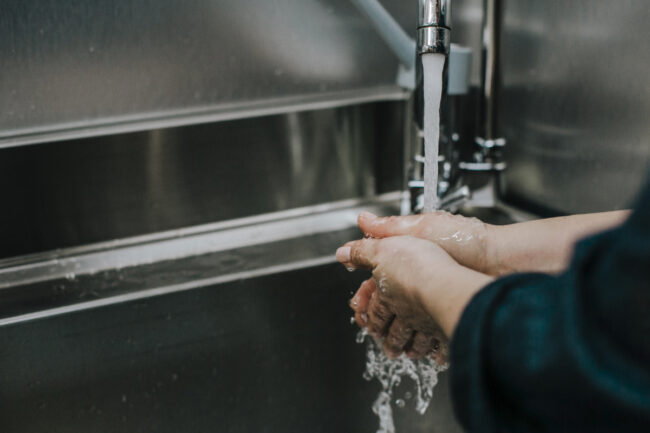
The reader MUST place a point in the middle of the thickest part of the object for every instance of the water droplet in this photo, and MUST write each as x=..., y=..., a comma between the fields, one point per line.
x=389, y=374
x=361, y=335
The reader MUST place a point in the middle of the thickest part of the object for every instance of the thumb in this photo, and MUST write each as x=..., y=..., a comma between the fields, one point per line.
x=360, y=254
x=378, y=227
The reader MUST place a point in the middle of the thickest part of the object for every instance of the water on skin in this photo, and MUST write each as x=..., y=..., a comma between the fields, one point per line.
x=433, y=66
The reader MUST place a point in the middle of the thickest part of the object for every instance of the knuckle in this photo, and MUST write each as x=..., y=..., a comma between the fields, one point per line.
x=391, y=349
x=375, y=327
x=391, y=344
x=380, y=311
x=421, y=344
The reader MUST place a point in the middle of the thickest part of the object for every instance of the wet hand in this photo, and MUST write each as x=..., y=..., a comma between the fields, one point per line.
x=407, y=302
x=467, y=240
x=399, y=335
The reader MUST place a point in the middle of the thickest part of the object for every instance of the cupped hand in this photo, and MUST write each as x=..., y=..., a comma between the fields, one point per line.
x=467, y=240
x=391, y=305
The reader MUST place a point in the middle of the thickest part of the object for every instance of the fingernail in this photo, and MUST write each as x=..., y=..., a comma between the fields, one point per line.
x=367, y=215
x=343, y=254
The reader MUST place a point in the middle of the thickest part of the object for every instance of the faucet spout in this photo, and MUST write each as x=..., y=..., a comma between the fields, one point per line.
x=434, y=27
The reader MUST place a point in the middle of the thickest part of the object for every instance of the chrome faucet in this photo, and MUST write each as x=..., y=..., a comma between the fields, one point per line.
x=483, y=170
x=434, y=27
x=434, y=36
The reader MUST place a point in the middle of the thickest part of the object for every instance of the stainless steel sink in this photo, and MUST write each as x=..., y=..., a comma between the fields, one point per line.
x=245, y=333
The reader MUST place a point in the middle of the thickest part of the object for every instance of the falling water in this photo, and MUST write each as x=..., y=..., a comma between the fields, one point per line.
x=390, y=372
x=433, y=66
x=424, y=373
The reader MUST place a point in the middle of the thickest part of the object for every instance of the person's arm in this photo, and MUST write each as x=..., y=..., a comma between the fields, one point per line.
x=567, y=352
x=544, y=245
x=540, y=246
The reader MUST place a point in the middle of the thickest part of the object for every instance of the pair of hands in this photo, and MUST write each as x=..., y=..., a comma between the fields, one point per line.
x=424, y=272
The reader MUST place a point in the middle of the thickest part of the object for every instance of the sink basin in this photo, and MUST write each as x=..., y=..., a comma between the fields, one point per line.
x=207, y=342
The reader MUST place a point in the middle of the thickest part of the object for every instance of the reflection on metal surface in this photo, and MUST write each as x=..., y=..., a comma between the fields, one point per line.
x=279, y=346
x=189, y=242
x=576, y=103
x=80, y=68
x=488, y=136
x=434, y=24
x=436, y=13
x=197, y=341
x=93, y=190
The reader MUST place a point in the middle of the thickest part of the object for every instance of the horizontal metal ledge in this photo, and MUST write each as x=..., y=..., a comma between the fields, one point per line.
x=145, y=122
x=187, y=242
x=165, y=290
x=97, y=275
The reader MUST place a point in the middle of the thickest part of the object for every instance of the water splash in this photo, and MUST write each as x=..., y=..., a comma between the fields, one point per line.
x=390, y=372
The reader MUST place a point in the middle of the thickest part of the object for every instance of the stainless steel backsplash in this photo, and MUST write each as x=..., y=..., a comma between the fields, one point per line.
x=576, y=102
x=95, y=189
x=83, y=67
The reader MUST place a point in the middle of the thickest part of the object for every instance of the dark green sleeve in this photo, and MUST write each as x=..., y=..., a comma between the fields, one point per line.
x=571, y=353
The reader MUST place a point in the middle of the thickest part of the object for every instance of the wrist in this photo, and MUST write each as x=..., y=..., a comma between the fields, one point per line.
x=492, y=248
x=449, y=294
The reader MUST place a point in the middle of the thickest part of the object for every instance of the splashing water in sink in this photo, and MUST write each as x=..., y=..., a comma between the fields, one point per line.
x=390, y=372
x=433, y=66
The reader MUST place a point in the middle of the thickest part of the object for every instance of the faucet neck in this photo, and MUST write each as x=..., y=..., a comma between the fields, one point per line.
x=434, y=13
x=434, y=27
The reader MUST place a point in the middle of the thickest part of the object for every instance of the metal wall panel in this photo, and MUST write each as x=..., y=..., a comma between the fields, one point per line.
x=96, y=189
x=76, y=64
x=270, y=354
x=576, y=102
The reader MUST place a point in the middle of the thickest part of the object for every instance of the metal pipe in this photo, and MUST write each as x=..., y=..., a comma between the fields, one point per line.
x=488, y=133
x=390, y=30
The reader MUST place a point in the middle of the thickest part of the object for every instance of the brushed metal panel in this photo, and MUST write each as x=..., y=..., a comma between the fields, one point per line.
x=83, y=191
x=272, y=354
x=78, y=64
x=576, y=102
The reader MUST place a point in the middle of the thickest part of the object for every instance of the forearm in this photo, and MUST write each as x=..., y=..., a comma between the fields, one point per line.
x=448, y=295
x=544, y=245
x=582, y=332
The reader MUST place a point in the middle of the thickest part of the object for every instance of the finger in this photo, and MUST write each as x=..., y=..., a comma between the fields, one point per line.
x=440, y=353
x=379, y=316
x=384, y=227
x=399, y=334
x=421, y=345
x=359, y=303
x=360, y=254
x=343, y=254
